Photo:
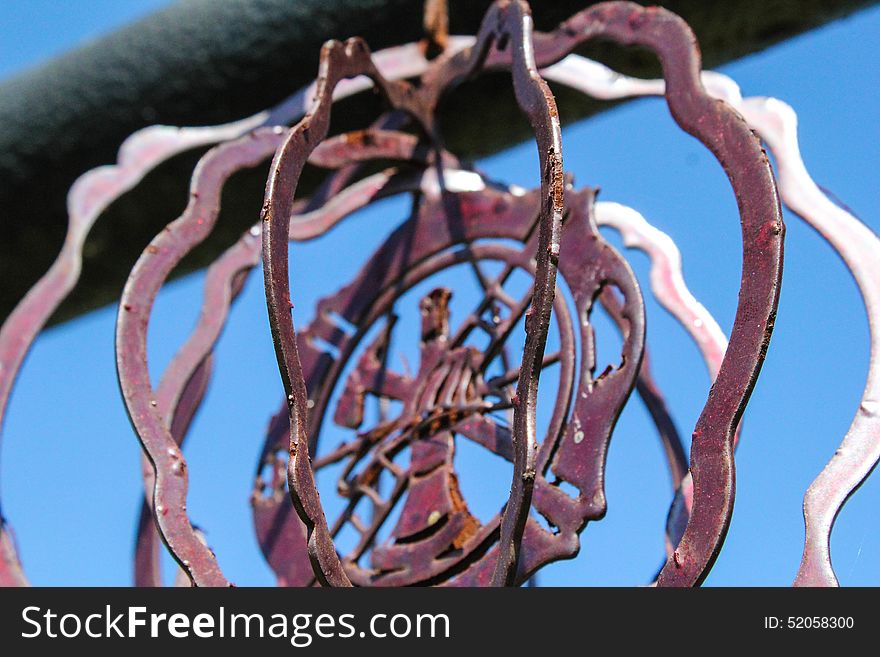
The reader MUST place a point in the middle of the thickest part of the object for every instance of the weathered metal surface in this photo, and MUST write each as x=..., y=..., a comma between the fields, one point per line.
x=504, y=22
x=859, y=248
x=147, y=277
x=95, y=190
x=776, y=124
x=338, y=61
x=726, y=134
x=212, y=62
x=416, y=251
x=185, y=380
x=458, y=219
x=11, y=573
x=508, y=28
x=667, y=282
x=151, y=270
x=666, y=279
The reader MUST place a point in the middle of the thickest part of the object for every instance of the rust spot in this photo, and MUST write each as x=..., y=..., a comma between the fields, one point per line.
x=362, y=138
x=471, y=525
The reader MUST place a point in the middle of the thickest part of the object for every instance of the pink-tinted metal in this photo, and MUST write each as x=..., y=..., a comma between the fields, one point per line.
x=776, y=124
x=725, y=133
x=450, y=546
x=94, y=191
x=504, y=22
x=11, y=573
x=149, y=273
x=184, y=382
x=450, y=396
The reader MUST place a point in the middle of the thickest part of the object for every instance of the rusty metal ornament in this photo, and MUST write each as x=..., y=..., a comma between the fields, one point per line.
x=94, y=191
x=150, y=272
x=504, y=22
x=667, y=283
x=271, y=515
x=338, y=61
x=776, y=124
x=436, y=540
x=724, y=132
x=508, y=27
x=182, y=386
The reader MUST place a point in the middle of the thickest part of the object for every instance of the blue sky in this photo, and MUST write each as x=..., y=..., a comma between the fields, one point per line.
x=70, y=471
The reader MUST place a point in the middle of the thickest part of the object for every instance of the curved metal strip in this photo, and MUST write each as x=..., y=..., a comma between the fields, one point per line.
x=94, y=191
x=589, y=265
x=858, y=246
x=534, y=97
x=88, y=197
x=650, y=394
x=184, y=383
x=159, y=259
x=11, y=572
x=147, y=566
x=338, y=61
x=182, y=386
x=391, y=182
x=670, y=289
x=667, y=279
x=725, y=133
x=506, y=32
x=668, y=285
x=141, y=152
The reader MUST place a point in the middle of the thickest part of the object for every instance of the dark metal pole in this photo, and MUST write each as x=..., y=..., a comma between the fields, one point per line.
x=210, y=61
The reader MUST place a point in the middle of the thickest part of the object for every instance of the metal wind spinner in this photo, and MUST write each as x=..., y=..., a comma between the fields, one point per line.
x=398, y=476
